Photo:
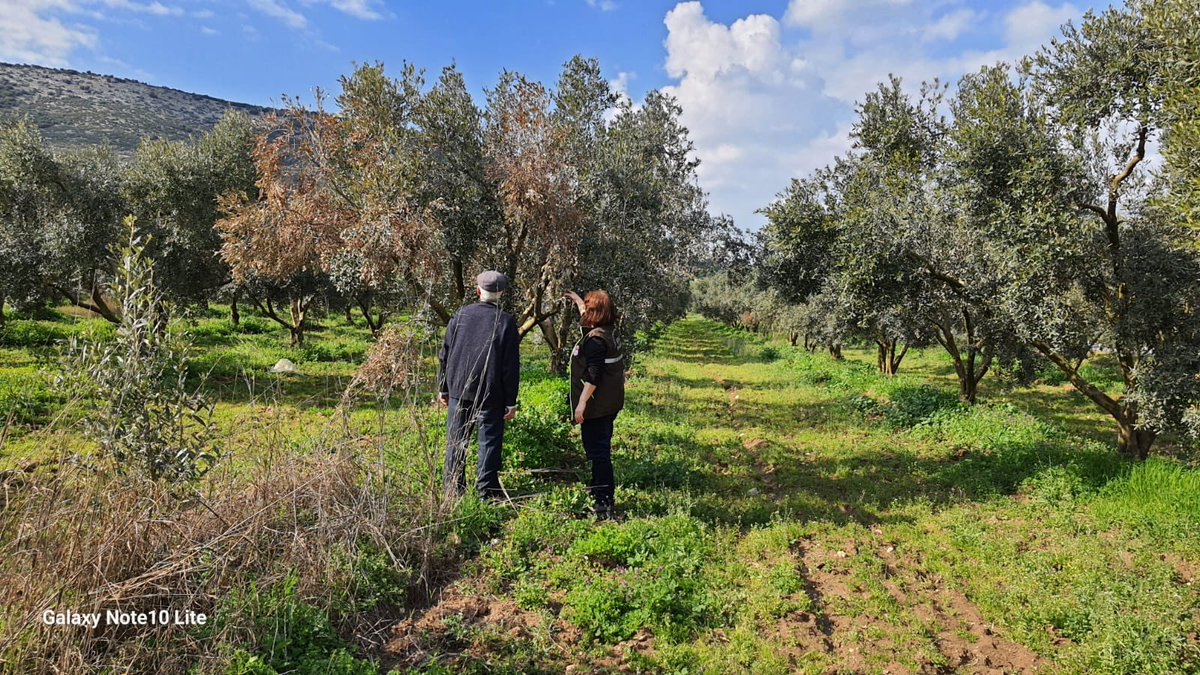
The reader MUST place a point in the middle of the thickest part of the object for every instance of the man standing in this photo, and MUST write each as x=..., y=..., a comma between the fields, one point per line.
x=479, y=369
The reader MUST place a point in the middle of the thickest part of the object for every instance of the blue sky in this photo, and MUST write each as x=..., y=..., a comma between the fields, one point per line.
x=767, y=86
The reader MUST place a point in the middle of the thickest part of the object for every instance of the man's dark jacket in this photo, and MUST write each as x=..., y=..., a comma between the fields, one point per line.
x=479, y=360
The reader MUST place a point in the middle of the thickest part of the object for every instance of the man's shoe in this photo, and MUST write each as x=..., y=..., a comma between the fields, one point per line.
x=494, y=497
x=605, y=510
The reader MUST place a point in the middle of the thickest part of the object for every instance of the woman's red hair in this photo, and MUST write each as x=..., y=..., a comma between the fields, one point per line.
x=598, y=310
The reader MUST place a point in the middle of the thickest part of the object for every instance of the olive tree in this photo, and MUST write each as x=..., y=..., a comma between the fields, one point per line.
x=883, y=239
x=836, y=234
x=1172, y=26
x=527, y=155
x=581, y=99
x=29, y=187
x=645, y=219
x=651, y=227
x=274, y=244
x=173, y=187
x=144, y=415
x=1124, y=268
x=58, y=216
x=79, y=261
x=455, y=177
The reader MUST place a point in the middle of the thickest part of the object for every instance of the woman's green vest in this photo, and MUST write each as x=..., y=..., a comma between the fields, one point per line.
x=610, y=391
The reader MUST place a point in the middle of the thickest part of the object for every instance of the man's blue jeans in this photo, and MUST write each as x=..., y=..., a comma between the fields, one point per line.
x=462, y=418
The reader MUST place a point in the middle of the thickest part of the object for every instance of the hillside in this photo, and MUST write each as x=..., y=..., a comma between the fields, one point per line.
x=74, y=109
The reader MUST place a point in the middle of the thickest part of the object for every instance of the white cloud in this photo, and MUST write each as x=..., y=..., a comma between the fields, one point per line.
x=277, y=10
x=31, y=31
x=154, y=8
x=767, y=99
x=747, y=99
x=367, y=10
x=360, y=9
x=812, y=13
x=620, y=85
x=1028, y=26
x=49, y=32
x=950, y=26
x=209, y=31
x=697, y=47
x=602, y=5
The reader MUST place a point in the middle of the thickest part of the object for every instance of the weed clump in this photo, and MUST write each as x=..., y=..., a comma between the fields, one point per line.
x=1156, y=496
x=909, y=406
x=288, y=634
x=658, y=574
x=26, y=333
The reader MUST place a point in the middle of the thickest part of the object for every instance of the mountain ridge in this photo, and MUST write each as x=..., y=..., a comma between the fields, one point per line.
x=74, y=109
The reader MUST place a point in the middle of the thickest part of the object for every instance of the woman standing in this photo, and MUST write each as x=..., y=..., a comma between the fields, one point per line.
x=597, y=390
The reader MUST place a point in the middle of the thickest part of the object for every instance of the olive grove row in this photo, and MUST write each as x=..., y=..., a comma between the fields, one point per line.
x=389, y=203
x=1013, y=219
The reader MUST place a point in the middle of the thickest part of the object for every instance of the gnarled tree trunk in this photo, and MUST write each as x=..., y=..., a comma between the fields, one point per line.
x=888, y=359
x=94, y=303
x=552, y=334
x=971, y=362
x=374, y=321
x=1134, y=442
x=297, y=310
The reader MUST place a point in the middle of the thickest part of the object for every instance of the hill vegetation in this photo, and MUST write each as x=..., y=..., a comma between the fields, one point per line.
x=75, y=109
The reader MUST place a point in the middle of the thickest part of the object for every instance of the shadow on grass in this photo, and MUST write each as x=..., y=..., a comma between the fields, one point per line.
x=1065, y=407
x=300, y=390
x=847, y=471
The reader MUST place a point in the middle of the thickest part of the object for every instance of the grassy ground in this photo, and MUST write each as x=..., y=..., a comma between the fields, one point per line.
x=801, y=514
x=233, y=364
x=783, y=512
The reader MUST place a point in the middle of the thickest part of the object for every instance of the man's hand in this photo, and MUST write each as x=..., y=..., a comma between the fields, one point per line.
x=510, y=414
x=579, y=409
x=444, y=400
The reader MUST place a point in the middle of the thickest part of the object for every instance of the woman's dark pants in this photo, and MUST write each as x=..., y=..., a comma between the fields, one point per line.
x=597, y=445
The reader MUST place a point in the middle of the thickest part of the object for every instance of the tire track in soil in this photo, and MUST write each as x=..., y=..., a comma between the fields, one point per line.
x=957, y=616
x=926, y=597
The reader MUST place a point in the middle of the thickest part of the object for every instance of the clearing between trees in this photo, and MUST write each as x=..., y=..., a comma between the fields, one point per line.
x=787, y=512
x=783, y=511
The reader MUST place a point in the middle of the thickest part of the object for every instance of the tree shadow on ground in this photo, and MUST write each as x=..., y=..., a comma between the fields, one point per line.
x=300, y=390
x=866, y=475
x=1065, y=407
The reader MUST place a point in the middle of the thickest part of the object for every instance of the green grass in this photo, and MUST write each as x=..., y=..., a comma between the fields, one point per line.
x=784, y=512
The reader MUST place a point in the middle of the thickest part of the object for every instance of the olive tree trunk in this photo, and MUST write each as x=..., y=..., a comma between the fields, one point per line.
x=971, y=361
x=1133, y=439
x=889, y=355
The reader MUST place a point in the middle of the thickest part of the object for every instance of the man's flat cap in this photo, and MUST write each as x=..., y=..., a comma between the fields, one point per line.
x=492, y=282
